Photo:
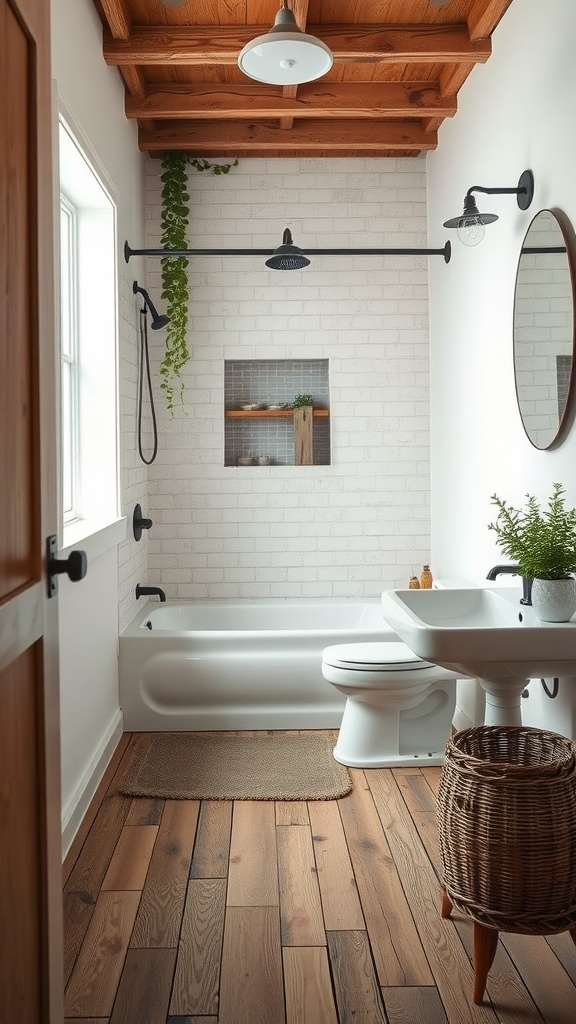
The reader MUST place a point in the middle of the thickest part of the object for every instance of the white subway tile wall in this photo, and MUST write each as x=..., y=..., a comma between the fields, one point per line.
x=360, y=524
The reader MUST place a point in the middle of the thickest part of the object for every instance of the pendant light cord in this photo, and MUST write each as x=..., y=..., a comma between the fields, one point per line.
x=145, y=360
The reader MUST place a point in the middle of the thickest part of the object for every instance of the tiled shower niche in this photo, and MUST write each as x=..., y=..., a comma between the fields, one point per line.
x=268, y=434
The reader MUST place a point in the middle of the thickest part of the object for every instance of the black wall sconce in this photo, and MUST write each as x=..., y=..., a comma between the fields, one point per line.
x=470, y=223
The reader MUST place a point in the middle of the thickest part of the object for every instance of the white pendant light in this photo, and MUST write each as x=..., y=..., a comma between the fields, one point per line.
x=285, y=55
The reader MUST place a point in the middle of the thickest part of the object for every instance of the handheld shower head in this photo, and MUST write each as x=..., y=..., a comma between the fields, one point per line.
x=158, y=322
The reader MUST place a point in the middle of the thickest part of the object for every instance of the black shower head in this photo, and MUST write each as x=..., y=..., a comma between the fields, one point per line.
x=287, y=256
x=158, y=322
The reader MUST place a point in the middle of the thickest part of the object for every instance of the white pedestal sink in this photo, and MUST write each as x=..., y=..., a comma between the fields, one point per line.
x=487, y=634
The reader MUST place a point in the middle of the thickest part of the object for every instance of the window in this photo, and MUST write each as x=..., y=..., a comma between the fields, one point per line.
x=88, y=345
x=69, y=359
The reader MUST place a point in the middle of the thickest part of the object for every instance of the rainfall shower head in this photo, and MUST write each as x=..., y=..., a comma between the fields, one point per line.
x=158, y=322
x=287, y=256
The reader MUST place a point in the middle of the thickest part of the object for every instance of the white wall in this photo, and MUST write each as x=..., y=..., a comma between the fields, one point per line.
x=92, y=97
x=515, y=112
x=361, y=523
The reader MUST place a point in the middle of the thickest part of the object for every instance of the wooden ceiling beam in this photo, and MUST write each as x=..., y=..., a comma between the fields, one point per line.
x=318, y=100
x=220, y=138
x=117, y=17
x=222, y=44
x=484, y=16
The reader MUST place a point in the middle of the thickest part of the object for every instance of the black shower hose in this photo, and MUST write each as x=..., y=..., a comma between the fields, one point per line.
x=145, y=359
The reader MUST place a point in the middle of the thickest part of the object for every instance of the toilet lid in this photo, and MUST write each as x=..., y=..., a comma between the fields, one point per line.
x=375, y=657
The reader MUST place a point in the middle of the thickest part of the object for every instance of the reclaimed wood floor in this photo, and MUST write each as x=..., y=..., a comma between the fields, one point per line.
x=249, y=912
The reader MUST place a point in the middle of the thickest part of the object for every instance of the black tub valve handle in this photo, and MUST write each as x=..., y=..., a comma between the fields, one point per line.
x=139, y=523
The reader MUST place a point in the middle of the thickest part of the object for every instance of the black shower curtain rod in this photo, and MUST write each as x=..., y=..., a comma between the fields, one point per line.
x=445, y=252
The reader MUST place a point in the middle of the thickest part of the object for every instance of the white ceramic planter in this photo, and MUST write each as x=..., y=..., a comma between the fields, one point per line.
x=554, y=600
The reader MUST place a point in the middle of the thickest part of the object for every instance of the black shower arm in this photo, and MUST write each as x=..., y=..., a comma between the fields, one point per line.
x=445, y=251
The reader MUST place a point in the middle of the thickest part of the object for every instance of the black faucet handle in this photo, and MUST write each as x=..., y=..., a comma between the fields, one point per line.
x=139, y=523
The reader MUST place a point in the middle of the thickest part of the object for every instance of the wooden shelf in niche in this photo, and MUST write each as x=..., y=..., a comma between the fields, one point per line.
x=303, y=418
x=268, y=413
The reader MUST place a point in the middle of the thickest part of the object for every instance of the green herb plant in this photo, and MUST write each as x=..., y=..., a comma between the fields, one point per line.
x=175, y=286
x=541, y=541
x=301, y=400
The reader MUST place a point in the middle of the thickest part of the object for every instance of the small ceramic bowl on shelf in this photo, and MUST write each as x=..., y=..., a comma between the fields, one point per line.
x=245, y=460
x=253, y=406
x=264, y=460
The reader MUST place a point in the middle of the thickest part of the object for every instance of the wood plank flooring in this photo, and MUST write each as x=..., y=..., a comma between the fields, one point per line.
x=255, y=912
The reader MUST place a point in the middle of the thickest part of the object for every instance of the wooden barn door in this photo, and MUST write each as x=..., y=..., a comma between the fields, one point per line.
x=30, y=857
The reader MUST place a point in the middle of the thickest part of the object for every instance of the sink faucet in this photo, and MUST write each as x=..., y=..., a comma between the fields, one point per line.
x=145, y=591
x=513, y=570
x=503, y=570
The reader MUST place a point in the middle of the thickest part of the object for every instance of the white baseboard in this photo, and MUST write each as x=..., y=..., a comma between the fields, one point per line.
x=79, y=802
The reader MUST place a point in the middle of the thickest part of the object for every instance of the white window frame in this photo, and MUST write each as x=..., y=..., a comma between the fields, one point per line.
x=97, y=455
x=69, y=356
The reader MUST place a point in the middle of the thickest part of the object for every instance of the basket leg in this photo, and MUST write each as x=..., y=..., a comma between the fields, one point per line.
x=446, y=908
x=485, y=942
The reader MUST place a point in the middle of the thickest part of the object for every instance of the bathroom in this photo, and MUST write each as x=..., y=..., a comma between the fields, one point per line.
x=423, y=415
x=424, y=423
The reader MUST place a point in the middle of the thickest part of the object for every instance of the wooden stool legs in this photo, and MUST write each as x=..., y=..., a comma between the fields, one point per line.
x=485, y=943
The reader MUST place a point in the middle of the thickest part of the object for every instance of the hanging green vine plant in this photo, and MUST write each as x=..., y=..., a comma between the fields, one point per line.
x=175, y=287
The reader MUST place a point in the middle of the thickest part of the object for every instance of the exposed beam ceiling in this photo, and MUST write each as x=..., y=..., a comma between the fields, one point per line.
x=398, y=66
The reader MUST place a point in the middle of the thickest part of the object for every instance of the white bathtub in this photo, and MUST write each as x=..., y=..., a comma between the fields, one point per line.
x=238, y=664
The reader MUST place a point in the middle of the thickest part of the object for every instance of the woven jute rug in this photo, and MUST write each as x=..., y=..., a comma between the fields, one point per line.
x=197, y=766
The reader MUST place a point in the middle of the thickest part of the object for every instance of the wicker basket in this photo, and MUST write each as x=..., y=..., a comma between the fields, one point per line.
x=507, y=828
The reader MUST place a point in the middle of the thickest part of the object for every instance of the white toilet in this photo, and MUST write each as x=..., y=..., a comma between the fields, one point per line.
x=399, y=708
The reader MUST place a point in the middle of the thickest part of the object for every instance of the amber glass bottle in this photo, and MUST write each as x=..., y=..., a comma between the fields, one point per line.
x=426, y=578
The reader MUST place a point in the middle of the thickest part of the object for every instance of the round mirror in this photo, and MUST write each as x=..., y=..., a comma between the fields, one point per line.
x=544, y=329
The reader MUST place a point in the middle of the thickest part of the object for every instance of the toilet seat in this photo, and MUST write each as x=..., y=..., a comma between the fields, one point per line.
x=374, y=657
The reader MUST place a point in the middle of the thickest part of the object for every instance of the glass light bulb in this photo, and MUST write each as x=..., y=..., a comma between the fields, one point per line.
x=471, y=230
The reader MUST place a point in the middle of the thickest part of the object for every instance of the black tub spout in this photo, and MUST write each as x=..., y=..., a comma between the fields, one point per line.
x=148, y=591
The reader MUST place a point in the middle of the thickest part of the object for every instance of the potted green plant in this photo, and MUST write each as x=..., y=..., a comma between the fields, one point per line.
x=543, y=543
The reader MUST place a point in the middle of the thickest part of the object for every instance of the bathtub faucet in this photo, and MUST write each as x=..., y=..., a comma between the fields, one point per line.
x=145, y=591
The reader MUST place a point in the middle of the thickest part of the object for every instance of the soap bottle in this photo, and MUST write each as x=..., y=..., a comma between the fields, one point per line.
x=414, y=583
x=426, y=578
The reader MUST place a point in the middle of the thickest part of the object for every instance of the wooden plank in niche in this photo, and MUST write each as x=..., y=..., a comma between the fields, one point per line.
x=303, y=446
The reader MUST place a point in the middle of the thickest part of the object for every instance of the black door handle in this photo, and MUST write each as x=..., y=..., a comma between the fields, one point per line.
x=74, y=566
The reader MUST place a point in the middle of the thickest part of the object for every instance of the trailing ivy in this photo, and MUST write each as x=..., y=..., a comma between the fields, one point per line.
x=175, y=287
